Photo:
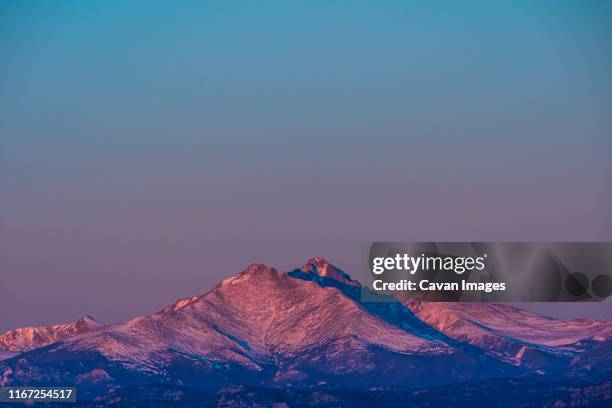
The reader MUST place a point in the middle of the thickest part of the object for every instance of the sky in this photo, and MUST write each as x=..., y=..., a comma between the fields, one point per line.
x=149, y=150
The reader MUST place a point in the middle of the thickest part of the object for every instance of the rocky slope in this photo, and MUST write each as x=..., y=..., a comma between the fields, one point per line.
x=24, y=339
x=512, y=334
x=308, y=327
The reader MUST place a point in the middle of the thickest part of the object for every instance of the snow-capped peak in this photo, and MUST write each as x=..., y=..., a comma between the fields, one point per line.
x=256, y=268
x=29, y=338
x=302, y=327
x=87, y=321
x=321, y=267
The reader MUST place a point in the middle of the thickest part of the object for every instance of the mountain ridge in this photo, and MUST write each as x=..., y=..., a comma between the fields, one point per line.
x=270, y=328
x=31, y=337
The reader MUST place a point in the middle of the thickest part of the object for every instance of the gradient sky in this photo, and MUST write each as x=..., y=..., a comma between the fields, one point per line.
x=150, y=149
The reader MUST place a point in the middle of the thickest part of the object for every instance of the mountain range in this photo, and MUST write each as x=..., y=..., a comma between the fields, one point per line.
x=310, y=330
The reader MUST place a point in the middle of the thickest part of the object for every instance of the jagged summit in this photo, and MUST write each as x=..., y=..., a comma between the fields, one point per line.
x=257, y=268
x=321, y=267
x=88, y=320
x=29, y=338
x=263, y=326
x=315, y=269
x=251, y=270
x=84, y=324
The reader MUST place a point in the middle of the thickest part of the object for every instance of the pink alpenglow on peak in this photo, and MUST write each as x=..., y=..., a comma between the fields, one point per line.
x=321, y=267
x=86, y=323
x=257, y=268
x=29, y=338
x=302, y=328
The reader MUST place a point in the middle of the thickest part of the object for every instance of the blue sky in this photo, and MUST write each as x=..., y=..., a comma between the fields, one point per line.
x=150, y=149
